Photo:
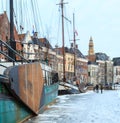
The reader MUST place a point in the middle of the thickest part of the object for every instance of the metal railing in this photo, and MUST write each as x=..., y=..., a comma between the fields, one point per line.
x=9, y=48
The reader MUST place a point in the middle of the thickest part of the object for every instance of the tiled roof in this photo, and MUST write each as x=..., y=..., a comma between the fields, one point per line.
x=101, y=56
x=43, y=42
x=92, y=63
x=78, y=53
x=5, y=27
x=116, y=61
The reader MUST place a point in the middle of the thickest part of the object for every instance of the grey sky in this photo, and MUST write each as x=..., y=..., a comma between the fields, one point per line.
x=97, y=18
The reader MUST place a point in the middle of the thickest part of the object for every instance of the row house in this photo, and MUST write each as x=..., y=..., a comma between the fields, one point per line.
x=75, y=64
x=5, y=36
x=93, y=73
x=101, y=69
x=31, y=50
x=105, y=68
x=69, y=64
x=116, y=70
x=59, y=66
x=39, y=49
x=82, y=69
x=48, y=53
x=109, y=72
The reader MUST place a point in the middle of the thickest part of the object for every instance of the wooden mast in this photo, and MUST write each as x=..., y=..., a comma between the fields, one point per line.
x=63, y=47
x=74, y=40
x=12, y=41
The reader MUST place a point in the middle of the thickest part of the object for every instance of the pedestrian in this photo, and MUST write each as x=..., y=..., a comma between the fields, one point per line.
x=97, y=88
x=77, y=83
x=94, y=88
x=101, y=88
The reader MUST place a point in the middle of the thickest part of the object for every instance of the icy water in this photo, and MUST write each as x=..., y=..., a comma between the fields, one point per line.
x=89, y=107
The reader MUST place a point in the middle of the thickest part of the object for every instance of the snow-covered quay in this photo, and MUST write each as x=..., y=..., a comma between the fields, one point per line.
x=89, y=107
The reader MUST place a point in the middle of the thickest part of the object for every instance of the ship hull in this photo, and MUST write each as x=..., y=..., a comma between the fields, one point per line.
x=51, y=92
x=13, y=111
x=16, y=99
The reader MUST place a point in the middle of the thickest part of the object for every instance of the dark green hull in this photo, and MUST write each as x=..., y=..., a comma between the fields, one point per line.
x=13, y=111
x=51, y=92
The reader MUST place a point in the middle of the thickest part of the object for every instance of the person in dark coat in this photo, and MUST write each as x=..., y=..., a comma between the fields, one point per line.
x=101, y=88
x=97, y=88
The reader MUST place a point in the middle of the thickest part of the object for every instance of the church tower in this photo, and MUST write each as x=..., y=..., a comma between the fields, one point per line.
x=91, y=47
x=91, y=54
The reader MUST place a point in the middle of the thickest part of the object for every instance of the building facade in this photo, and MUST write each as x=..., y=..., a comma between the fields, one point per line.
x=93, y=73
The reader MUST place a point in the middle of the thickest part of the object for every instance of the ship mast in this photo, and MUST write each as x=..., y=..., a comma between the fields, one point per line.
x=75, y=46
x=12, y=41
x=74, y=40
x=63, y=47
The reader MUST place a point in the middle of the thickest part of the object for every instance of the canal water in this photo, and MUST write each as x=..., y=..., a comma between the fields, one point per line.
x=90, y=107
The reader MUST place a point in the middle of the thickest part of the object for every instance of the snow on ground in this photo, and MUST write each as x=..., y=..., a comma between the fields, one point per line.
x=90, y=107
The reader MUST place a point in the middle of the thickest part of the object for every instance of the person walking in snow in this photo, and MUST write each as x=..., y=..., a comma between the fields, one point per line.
x=101, y=88
x=97, y=88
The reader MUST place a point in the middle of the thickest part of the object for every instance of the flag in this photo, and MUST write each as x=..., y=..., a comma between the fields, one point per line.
x=33, y=30
x=76, y=32
x=21, y=28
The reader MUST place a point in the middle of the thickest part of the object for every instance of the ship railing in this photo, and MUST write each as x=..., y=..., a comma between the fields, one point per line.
x=9, y=48
x=3, y=78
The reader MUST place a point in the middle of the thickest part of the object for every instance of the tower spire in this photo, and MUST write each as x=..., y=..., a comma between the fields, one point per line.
x=91, y=47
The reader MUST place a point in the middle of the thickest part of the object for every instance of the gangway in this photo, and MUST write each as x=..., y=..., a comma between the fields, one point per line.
x=72, y=89
x=69, y=85
x=68, y=88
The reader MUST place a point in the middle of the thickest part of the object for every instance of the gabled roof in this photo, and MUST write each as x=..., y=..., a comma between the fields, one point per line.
x=70, y=50
x=78, y=52
x=101, y=56
x=21, y=36
x=43, y=42
x=5, y=28
x=116, y=61
x=92, y=63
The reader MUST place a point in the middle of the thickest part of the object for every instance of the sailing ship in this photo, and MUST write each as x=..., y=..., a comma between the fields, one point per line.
x=26, y=87
x=74, y=87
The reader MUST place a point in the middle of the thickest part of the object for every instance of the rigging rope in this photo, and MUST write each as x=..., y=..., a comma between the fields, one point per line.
x=21, y=18
x=67, y=26
x=33, y=11
x=38, y=15
x=58, y=26
x=15, y=17
x=2, y=5
x=28, y=17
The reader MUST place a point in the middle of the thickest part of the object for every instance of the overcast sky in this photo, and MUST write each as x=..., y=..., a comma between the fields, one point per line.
x=97, y=18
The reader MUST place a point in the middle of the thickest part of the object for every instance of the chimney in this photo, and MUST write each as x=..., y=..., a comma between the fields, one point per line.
x=71, y=45
x=35, y=35
x=76, y=46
